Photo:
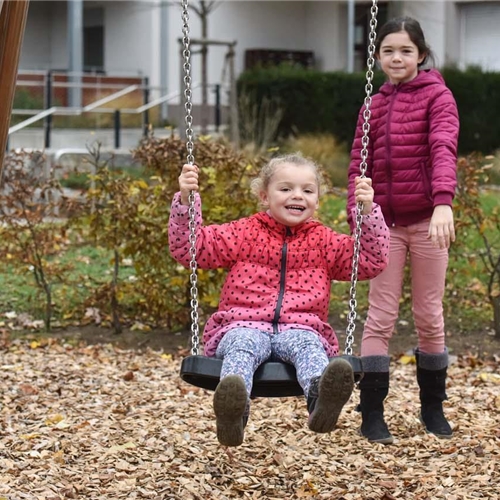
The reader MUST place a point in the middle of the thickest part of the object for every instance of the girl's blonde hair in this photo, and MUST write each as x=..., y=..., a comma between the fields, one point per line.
x=261, y=183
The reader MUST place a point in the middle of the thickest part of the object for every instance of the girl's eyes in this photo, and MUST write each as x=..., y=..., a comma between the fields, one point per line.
x=308, y=191
x=405, y=51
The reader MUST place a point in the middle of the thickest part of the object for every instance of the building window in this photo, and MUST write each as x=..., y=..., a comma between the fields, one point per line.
x=362, y=30
x=93, y=39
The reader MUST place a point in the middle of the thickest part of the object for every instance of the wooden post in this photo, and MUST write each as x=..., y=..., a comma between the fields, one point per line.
x=12, y=23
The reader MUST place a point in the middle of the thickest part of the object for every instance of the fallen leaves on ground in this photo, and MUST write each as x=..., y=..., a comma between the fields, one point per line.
x=101, y=423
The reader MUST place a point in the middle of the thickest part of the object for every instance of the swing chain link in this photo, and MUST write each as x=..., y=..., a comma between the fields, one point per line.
x=351, y=326
x=188, y=106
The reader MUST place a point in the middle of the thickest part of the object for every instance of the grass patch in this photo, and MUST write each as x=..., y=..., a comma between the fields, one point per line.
x=89, y=267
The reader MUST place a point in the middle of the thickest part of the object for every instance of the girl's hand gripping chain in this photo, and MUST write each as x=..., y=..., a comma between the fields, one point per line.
x=364, y=193
x=188, y=181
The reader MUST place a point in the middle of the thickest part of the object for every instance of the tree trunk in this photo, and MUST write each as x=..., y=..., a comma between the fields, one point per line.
x=495, y=302
x=117, y=326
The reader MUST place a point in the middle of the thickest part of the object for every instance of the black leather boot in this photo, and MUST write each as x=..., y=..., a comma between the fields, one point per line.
x=432, y=383
x=374, y=388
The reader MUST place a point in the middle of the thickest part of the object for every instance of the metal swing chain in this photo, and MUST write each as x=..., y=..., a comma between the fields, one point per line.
x=188, y=106
x=351, y=326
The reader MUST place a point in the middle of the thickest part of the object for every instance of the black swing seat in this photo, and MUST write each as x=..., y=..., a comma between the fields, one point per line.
x=273, y=379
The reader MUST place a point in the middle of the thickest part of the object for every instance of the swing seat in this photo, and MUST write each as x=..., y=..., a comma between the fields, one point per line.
x=273, y=379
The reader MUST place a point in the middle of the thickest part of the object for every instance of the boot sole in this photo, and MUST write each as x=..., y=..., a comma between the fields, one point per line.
x=335, y=389
x=387, y=440
x=230, y=401
x=440, y=436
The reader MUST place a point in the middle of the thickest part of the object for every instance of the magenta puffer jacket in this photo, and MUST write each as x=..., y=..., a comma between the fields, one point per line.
x=412, y=153
x=279, y=277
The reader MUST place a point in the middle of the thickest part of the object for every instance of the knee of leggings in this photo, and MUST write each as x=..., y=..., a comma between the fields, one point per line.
x=305, y=340
x=251, y=342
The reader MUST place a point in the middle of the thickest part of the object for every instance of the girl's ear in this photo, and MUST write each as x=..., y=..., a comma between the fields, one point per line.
x=264, y=201
x=421, y=57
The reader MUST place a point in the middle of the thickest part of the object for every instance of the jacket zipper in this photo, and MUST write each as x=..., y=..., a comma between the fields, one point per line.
x=281, y=293
x=388, y=168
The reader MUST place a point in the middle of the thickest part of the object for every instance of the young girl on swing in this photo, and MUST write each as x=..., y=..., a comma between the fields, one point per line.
x=274, y=302
x=412, y=161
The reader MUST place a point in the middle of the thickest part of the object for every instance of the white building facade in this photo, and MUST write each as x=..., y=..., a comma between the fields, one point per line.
x=141, y=37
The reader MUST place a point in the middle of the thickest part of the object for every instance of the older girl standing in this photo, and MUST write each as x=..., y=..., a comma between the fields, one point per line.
x=412, y=162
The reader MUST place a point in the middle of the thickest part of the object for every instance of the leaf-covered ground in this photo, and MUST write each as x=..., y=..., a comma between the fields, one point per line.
x=97, y=422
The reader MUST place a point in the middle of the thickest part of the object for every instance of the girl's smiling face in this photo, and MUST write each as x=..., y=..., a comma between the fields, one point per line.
x=399, y=57
x=292, y=194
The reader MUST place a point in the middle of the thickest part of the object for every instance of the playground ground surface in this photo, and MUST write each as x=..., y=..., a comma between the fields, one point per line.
x=106, y=422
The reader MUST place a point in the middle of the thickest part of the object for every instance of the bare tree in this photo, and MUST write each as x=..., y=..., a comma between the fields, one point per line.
x=203, y=10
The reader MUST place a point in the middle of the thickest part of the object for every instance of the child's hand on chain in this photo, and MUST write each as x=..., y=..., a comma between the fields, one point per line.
x=363, y=192
x=188, y=181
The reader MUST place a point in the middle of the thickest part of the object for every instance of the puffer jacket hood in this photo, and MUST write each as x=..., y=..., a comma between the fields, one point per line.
x=278, y=277
x=412, y=152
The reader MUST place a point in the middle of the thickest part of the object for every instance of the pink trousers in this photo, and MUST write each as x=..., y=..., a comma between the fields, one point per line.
x=428, y=274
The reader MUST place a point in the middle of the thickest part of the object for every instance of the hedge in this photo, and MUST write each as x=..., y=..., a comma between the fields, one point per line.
x=319, y=102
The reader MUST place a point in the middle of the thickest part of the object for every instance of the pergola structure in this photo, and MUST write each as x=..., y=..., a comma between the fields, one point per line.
x=13, y=15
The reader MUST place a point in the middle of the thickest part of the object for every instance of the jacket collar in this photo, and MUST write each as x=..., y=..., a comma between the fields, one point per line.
x=424, y=78
x=268, y=220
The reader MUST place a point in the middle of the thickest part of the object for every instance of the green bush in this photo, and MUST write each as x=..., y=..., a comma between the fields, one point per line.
x=329, y=102
x=24, y=99
x=162, y=283
x=325, y=151
x=313, y=101
x=478, y=98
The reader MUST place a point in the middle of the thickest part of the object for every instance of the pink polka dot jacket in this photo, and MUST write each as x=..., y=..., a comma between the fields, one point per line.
x=278, y=277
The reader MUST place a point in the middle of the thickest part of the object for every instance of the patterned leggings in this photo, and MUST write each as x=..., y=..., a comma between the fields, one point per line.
x=244, y=349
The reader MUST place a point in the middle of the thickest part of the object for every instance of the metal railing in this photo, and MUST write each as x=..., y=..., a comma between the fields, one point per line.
x=62, y=110
x=98, y=106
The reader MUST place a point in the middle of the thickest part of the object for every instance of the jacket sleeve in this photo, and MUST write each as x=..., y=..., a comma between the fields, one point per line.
x=374, y=249
x=443, y=139
x=354, y=171
x=216, y=245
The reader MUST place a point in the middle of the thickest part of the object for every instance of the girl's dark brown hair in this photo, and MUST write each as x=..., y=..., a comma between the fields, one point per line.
x=412, y=27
